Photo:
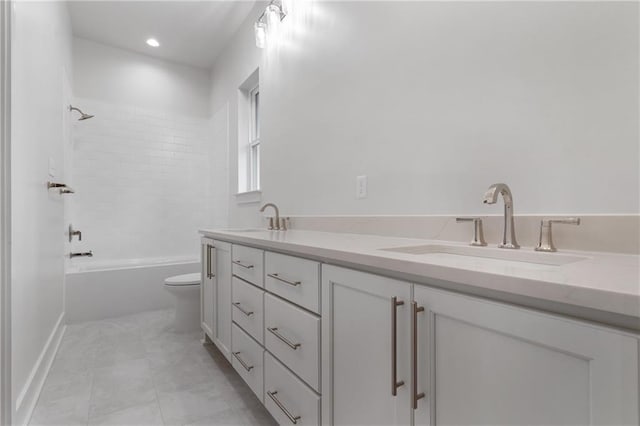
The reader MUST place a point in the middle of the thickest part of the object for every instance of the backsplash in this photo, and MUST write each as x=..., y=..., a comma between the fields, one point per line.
x=603, y=233
x=144, y=182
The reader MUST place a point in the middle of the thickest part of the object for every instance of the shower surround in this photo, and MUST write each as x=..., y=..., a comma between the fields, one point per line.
x=145, y=181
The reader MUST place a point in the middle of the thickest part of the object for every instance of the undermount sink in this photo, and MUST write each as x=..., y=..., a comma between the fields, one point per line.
x=554, y=259
x=244, y=230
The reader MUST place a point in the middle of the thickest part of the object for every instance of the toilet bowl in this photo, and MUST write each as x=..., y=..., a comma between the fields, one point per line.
x=186, y=292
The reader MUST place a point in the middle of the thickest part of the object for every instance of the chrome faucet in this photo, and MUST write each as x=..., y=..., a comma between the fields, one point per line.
x=275, y=227
x=491, y=197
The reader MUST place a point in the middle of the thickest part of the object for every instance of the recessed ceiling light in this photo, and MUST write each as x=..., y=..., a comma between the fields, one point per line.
x=153, y=42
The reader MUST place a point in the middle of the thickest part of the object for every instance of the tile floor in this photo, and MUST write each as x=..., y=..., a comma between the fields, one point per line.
x=134, y=370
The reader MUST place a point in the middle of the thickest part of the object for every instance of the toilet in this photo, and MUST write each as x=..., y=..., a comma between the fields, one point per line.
x=186, y=291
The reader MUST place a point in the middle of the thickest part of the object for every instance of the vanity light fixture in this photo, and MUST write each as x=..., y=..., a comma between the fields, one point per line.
x=153, y=42
x=270, y=18
x=260, y=30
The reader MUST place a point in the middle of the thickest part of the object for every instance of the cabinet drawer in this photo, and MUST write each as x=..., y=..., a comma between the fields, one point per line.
x=295, y=279
x=286, y=397
x=248, y=359
x=248, y=264
x=247, y=308
x=293, y=336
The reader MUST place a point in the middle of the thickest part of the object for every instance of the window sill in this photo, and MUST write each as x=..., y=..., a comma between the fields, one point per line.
x=248, y=197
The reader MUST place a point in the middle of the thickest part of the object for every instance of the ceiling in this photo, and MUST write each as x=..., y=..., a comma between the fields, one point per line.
x=189, y=32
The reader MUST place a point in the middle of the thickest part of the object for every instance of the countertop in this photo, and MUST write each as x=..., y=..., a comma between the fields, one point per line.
x=602, y=287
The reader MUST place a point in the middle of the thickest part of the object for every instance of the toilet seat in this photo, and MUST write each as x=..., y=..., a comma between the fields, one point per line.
x=183, y=280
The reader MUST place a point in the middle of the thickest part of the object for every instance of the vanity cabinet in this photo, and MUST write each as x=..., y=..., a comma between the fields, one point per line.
x=207, y=283
x=319, y=343
x=365, y=348
x=215, y=293
x=472, y=361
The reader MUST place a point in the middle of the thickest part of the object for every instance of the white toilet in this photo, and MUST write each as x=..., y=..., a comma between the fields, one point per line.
x=186, y=290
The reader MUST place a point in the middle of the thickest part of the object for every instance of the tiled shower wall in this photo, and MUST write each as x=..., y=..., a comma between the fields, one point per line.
x=145, y=182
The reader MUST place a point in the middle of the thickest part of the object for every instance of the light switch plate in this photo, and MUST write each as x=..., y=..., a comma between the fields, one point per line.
x=52, y=167
x=361, y=186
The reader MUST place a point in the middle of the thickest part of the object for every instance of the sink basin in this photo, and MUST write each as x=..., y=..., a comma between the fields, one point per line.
x=524, y=256
x=244, y=230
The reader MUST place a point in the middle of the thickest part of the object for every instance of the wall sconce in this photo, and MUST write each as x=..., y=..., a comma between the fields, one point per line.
x=269, y=19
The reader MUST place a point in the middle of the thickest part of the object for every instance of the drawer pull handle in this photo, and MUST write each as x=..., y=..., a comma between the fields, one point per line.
x=415, y=396
x=237, y=262
x=247, y=313
x=395, y=384
x=209, y=261
x=274, y=331
x=294, y=419
x=244, y=364
x=277, y=277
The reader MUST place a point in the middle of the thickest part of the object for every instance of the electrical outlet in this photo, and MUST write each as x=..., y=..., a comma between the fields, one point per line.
x=361, y=186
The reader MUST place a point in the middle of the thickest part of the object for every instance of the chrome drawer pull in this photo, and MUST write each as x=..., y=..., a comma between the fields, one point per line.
x=237, y=305
x=244, y=364
x=274, y=331
x=294, y=419
x=237, y=262
x=277, y=277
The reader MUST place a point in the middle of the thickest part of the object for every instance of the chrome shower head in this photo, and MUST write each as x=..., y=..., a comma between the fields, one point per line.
x=83, y=116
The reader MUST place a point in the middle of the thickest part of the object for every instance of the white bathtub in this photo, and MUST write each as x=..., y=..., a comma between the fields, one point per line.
x=104, y=289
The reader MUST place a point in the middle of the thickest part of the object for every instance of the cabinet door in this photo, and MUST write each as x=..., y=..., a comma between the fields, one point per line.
x=207, y=256
x=222, y=298
x=357, y=351
x=482, y=362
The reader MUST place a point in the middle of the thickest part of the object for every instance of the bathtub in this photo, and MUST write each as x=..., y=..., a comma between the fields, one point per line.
x=96, y=289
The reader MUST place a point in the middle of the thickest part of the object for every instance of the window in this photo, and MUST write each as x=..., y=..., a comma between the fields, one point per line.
x=249, y=139
x=254, y=140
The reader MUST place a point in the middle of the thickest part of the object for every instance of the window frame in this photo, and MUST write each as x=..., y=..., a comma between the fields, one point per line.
x=253, y=145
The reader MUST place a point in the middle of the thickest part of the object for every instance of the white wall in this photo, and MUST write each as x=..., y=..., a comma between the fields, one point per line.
x=147, y=174
x=232, y=68
x=122, y=77
x=435, y=101
x=41, y=66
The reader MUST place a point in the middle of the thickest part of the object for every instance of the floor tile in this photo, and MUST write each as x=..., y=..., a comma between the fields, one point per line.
x=121, y=385
x=139, y=415
x=188, y=405
x=135, y=370
x=70, y=411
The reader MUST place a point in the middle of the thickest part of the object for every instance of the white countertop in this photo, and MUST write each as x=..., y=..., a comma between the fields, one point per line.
x=607, y=282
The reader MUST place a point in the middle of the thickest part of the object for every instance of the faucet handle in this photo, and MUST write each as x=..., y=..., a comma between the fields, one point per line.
x=478, y=233
x=545, y=241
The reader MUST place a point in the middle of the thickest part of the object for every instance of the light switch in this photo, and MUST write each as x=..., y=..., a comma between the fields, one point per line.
x=52, y=167
x=361, y=186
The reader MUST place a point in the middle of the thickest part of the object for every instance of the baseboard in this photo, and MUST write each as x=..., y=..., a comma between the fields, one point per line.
x=28, y=396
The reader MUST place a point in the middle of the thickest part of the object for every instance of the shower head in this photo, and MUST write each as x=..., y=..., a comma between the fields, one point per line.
x=83, y=116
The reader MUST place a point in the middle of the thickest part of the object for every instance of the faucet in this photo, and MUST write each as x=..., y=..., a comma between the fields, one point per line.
x=491, y=197
x=277, y=225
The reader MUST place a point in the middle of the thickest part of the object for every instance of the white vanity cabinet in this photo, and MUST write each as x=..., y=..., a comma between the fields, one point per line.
x=509, y=365
x=357, y=350
x=475, y=361
x=215, y=293
x=207, y=283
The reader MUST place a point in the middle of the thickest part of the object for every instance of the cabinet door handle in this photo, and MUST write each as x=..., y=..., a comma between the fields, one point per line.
x=237, y=262
x=395, y=384
x=274, y=331
x=247, y=313
x=209, y=257
x=415, y=396
x=279, y=278
x=244, y=364
x=294, y=419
